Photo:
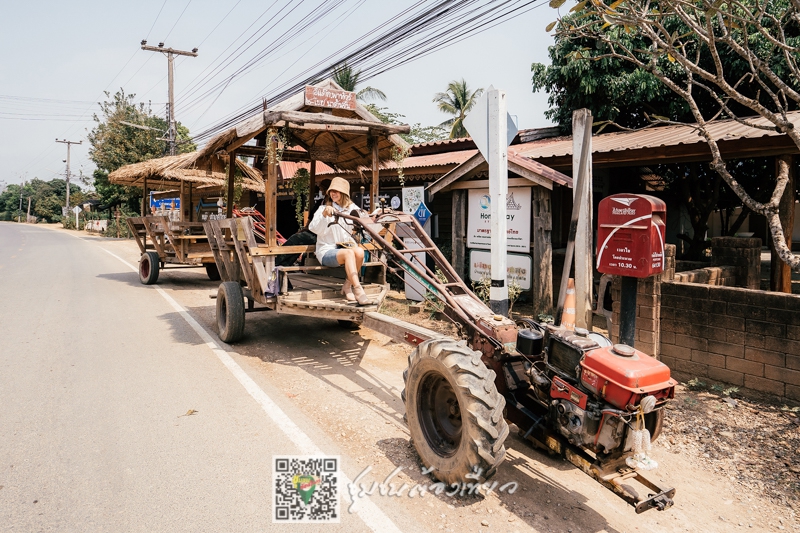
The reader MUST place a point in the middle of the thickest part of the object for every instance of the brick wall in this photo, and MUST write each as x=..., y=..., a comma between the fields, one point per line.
x=744, y=337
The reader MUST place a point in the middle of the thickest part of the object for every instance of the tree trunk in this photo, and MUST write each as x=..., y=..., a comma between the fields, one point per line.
x=780, y=273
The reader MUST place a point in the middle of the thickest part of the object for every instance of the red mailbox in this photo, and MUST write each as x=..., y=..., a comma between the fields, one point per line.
x=630, y=235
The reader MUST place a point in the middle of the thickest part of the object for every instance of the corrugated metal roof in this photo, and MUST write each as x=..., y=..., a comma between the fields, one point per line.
x=289, y=168
x=721, y=130
x=419, y=161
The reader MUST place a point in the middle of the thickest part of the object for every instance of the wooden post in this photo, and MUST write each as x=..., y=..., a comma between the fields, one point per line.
x=271, y=186
x=542, y=251
x=780, y=273
x=145, y=210
x=459, y=225
x=231, y=183
x=582, y=120
x=183, y=202
x=374, y=189
x=190, y=201
x=312, y=190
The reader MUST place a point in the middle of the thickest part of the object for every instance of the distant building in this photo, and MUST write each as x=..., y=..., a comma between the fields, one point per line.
x=3, y=186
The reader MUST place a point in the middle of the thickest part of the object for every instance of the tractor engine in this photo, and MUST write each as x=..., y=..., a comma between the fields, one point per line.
x=593, y=391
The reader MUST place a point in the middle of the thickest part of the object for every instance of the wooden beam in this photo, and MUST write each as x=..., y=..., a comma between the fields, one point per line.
x=542, y=288
x=145, y=210
x=231, y=183
x=459, y=231
x=457, y=173
x=303, y=118
x=312, y=190
x=484, y=184
x=376, y=176
x=519, y=170
x=271, y=187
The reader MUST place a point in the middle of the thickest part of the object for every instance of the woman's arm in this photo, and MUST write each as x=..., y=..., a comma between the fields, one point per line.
x=320, y=222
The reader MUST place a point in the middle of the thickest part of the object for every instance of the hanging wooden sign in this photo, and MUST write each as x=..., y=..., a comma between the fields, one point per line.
x=330, y=98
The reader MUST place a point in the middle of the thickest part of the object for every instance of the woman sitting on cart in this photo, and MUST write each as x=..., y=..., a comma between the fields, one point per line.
x=335, y=243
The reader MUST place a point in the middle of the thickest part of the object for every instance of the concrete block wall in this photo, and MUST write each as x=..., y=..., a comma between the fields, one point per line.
x=719, y=275
x=743, y=337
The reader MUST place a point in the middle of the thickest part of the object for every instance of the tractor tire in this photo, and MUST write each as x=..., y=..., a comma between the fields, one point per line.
x=230, y=311
x=454, y=412
x=212, y=271
x=149, y=267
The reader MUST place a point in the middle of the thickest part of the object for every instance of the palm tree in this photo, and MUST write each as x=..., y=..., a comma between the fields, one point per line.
x=457, y=100
x=347, y=78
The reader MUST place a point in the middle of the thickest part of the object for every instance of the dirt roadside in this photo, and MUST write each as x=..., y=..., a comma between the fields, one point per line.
x=732, y=466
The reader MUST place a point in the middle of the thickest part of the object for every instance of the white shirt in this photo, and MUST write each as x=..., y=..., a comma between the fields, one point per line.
x=329, y=235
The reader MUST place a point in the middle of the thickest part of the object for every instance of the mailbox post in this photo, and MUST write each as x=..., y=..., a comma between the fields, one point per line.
x=630, y=243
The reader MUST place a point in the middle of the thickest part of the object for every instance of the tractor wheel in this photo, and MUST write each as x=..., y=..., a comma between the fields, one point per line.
x=212, y=271
x=654, y=422
x=230, y=311
x=454, y=412
x=148, y=268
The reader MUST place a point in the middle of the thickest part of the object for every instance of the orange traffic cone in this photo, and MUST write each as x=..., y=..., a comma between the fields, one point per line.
x=568, y=315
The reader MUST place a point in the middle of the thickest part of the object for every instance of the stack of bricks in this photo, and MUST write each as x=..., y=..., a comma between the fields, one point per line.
x=719, y=275
x=743, y=337
x=648, y=307
x=742, y=253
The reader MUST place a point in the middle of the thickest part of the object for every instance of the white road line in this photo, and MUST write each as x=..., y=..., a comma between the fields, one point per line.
x=369, y=513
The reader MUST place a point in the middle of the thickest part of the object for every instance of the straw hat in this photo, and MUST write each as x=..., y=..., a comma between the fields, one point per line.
x=341, y=185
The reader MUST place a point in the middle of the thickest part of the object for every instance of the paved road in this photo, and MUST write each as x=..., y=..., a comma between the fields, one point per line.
x=95, y=371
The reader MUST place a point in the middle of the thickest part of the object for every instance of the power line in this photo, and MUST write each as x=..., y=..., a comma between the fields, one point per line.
x=176, y=22
x=156, y=20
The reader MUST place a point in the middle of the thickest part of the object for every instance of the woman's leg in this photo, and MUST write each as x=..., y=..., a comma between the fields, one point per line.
x=347, y=258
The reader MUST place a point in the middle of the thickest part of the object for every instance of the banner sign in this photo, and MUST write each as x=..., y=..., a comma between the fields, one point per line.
x=330, y=98
x=479, y=219
x=164, y=203
x=519, y=268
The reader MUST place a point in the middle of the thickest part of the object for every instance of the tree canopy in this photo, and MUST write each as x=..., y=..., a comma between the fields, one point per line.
x=47, y=198
x=127, y=133
x=734, y=59
x=347, y=78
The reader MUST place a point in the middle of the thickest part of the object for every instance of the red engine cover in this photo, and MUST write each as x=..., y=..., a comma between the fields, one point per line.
x=624, y=380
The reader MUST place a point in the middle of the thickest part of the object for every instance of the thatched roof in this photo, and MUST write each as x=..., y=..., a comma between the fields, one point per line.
x=338, y=137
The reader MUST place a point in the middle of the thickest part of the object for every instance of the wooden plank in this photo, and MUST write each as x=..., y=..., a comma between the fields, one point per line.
x=376, y=176
x=271, y=188
x=459, y=231
x=329, y=98
x=279, y=250
x=542, y=288
x=399, y=330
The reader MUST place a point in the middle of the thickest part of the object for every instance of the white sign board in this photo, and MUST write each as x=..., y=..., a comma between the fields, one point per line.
x=477, y=124
x=412, y=197
x=76, y=209
x=518, y=218
x=519, y=268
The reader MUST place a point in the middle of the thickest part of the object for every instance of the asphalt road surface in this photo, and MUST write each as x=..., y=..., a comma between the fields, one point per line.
x=97, y=375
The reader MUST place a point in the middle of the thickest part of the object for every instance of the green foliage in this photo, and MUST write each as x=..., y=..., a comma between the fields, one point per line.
x=457, y=100
x=482, y=289
x=47, y=198
x=418, y=133
x=114, y=144
x=347, y=78
x=433, y=304
x=301, y=182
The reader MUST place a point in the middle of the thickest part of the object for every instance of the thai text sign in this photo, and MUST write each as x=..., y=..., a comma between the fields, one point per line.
x=518, y=215
x=519, y=268
x=330, y=98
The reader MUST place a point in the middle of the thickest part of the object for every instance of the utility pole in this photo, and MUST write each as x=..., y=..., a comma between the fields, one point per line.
x=68, y=143
x=172, y=134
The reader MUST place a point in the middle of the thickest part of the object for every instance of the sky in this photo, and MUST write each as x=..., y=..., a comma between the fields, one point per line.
x=60, y=57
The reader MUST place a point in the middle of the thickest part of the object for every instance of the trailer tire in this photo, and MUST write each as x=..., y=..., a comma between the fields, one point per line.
x=212, y=271
x=230, y=311
x=149, y=267
x=654, y=423
x=454, y=412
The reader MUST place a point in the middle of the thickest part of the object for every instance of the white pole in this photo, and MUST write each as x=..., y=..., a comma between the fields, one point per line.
x=498, y=192
x=77, y=226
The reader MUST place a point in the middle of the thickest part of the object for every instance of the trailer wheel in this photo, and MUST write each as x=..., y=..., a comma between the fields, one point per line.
x=148, y=268
x=454, y=412
x=230, y=311
x=212, y=271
